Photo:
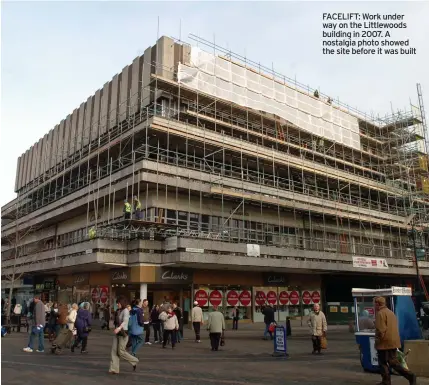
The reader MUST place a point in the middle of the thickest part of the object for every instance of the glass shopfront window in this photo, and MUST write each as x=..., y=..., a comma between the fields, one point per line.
x=226, y=297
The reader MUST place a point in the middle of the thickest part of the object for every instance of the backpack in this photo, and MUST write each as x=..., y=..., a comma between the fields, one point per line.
x=134, y=327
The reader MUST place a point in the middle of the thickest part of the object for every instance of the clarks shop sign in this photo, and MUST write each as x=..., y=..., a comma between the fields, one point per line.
x=120, y=276
x=274, y=279
x=170, y=275
x=81, y=279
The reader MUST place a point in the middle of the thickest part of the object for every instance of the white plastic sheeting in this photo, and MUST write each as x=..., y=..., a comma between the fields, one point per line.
x=218, y=77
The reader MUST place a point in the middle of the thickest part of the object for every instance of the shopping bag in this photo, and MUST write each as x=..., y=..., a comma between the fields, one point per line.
x=272, y=327
x=402, y=359
x=323, y=342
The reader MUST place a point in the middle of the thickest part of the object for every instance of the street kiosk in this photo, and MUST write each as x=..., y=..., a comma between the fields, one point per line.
x=398, y=299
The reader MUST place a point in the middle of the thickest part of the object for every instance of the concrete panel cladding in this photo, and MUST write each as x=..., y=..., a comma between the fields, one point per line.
x=80, y=123
x=54, y=152
x=33, y=161
x=124, y=93
x=29, y=163
x=114, y=101
x=96, y=115
x=88, y=121
x=43, y=157
x=165, y=60
x=146, y=72
x=61, y=144
x=73, y=129
x=24, y=168
x=18, y=174
x=136, y=78
x=50, y=149
x=37, y=155
x=67, y=131
x=105, y=105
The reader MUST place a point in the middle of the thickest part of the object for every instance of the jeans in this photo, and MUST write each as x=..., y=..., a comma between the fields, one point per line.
x=197, y=330
x=83, y=339
x=136, y=342
x=215, y=340
x=235, y=323
x=169, y=333
x=41, y=336
x=156, y=331
x=267, y=331
x=147, y=330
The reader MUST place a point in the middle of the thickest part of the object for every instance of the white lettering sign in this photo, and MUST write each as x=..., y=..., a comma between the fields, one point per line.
x=119, y=275
x=193, y=250
x=276, y=279
x=374, y=354
x=89, y=251
x=370, y=263
x=396, y=290
x=169, y=274
x=79, y=279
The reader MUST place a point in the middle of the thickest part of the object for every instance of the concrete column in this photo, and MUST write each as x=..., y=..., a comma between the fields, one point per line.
x=143, y=291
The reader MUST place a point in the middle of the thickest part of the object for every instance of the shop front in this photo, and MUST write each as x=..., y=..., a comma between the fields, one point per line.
x=291, y=295
x=45, y=287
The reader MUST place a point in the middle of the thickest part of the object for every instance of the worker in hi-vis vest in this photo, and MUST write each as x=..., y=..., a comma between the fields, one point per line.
x=137, y=208
x=127, y=210
x=92, y=233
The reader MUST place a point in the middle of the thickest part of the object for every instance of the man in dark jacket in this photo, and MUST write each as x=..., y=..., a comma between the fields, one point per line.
x=268, y=313
x=387, y=340
x=39, y=320
x=179, y=314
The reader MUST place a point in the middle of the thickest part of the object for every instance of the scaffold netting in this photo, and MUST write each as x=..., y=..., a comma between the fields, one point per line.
x=225, y=80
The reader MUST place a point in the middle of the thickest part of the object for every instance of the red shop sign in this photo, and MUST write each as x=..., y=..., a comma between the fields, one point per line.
x=201, y=297
x=284, y=297
x=232, y=298
x=294, y=297
x=215, y=298
x=306, y=297
x=260, y=298
x=272, y=297
x=370, y=311
x=315, y=297
x=245, y=298
x=95, y=294
x=104, y=294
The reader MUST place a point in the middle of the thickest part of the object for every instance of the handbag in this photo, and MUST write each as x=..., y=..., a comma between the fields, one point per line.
x=323, y=342
x=87, y=329
x=222, y=339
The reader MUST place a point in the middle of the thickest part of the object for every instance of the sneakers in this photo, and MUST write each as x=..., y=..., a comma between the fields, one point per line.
x=40, y=351
x=28, y=350
x=198, y=341
x=148, y=343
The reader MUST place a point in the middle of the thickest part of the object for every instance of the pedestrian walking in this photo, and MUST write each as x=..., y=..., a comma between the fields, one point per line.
x=318, y=328
x=179, y=314
x=65, y=336
x=106, y=318
x=121, y=338
x=197, y=321
x=136, y=327
x=53, y=322
x=387, y=340
x=171, y=326
x=146, y=319
x=156, y=324
x=83, y=327
x=269, y=318
x=235, y=317
x=216, y=327
x=38, y=325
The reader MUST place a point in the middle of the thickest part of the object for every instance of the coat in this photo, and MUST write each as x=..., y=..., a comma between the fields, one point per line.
x=216, y=323
x=135, y=328
x=268, y=313
x=197, y=314
x=386, y=330
x=62, y=314
x=83, y=320
x=39, y=314
x=170, y=321
x=317, y=323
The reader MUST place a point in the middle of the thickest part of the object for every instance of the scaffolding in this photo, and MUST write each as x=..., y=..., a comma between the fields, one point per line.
x=206, y=167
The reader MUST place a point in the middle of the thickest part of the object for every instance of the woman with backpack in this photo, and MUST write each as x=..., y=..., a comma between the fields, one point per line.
x=121, y=338
x=83, y=327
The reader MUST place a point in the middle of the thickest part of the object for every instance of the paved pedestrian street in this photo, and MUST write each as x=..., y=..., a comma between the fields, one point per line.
x=245, y=359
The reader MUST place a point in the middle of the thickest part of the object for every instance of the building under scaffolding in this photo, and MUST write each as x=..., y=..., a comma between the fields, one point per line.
x=238, y=169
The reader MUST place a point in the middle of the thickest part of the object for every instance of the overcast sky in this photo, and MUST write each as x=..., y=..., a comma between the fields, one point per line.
x=56, y=54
